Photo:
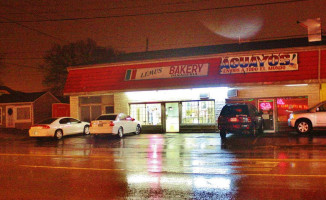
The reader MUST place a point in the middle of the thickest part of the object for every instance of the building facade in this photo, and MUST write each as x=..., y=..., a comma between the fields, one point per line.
x=185, y=92
x=21, y=110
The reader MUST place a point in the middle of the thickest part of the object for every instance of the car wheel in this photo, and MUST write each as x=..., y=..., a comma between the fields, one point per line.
x=58, y=134
x=303, y=126
x=138, y=129
x=223, y=134
x=86, y=130
x=120, y=132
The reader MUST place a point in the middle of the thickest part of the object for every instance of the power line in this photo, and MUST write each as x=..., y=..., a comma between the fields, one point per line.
x=20, y=65
x=33, y=29
x=154, y=13
x=22, y=58
x=22, y=52
x=111, y=8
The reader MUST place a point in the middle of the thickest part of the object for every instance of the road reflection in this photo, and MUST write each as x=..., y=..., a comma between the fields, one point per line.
x=173, y=166
x=180, y=166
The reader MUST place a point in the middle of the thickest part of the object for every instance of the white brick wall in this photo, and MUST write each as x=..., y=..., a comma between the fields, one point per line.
x=74, y=107
x=121, y=103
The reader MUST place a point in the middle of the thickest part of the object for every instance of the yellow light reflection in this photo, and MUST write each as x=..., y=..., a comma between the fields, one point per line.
x=189, y=182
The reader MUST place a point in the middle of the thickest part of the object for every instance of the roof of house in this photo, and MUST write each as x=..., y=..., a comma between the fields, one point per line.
x=7, y=90
x=20, y=97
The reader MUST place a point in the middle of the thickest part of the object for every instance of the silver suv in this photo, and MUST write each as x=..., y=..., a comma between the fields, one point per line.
x=306, y=120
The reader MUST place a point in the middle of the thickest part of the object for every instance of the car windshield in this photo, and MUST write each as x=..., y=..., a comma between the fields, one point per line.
x=107, y=117
x=233, y=110
x=48, y=121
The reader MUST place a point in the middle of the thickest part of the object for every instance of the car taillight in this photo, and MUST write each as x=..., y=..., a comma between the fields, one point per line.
x=249, y=119
x=42, y=126
x=111, y=123
x=233, y=119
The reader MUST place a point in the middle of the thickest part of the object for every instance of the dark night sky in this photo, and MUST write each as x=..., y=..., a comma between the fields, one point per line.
x=35, y=25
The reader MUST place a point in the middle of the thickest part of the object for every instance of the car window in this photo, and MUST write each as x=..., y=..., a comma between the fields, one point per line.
x=73, y=121
x=123, y=116
x=48, y=121
x=64, y=121
x=233, y=110
x=107, y=117
x=322, y=108
x=129, y=118
x=253, y=110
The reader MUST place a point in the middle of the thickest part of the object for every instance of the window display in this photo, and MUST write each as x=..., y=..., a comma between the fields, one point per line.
x=287, y=105
x=198, y=112
x=147, y=114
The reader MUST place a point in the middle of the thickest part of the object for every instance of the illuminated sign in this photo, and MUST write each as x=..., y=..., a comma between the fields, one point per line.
x=174, y=71
x=259, y=63
x=266, y=106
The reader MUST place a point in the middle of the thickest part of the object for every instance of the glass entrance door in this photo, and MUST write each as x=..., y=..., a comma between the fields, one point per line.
x=172, y=117
x=267, y=107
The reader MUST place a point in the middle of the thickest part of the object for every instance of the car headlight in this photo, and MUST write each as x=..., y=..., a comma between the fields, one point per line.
x=292, y=116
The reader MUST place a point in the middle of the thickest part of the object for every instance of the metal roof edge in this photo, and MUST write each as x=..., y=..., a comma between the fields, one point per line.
x=170, y=55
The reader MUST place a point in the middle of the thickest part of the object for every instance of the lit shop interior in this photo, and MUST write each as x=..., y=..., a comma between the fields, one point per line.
x=196, y=109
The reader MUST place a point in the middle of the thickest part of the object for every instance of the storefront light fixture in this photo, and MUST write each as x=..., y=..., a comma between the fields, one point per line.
x=178, y=94
x=296, y=85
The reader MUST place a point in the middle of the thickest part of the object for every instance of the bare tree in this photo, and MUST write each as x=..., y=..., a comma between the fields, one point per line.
x=2, y=67
x=58, y=58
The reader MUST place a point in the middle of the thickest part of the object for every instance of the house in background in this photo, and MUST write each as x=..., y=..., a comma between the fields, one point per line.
x=21, y=110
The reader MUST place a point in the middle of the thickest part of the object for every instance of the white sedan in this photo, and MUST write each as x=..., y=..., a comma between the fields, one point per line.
x=59, y=127
x=116, y=124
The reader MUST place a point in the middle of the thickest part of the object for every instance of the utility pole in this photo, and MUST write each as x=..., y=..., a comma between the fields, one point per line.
x=146, y=44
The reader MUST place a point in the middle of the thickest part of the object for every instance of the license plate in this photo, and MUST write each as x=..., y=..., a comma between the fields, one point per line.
x=100, y=125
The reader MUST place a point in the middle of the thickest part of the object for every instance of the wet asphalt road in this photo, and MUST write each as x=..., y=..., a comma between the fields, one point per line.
x=164, y=166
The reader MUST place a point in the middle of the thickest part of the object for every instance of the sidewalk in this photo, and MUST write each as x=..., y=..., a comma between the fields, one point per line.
x=13, y=133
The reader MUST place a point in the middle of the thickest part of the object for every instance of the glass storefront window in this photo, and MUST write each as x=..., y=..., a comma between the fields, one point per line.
x=198, y=112
x=153, y=113
x=147, y=114
x=287, y=105
x=206, y=112
x=190, y=112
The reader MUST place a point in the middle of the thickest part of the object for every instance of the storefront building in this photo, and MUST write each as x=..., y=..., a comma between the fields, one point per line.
x=184, y=90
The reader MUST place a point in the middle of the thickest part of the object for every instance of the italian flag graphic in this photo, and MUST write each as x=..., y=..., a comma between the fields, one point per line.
x=130, y=74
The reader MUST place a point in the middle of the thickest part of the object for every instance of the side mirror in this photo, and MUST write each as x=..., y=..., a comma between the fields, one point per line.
x=132, y=119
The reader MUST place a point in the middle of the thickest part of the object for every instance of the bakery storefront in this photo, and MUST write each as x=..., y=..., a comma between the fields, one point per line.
x=186, y=94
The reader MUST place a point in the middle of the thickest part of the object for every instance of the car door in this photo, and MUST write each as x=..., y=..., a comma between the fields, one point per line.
x=76, y=126
x=130, y=124
x=65, y=125
x=124, y=123
x=257, y=117
x=320, y=115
